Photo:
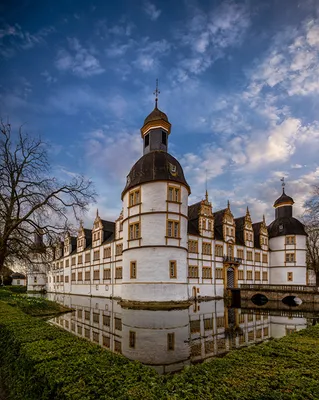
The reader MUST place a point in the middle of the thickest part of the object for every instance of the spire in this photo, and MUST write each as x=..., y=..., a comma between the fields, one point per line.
x=247, y=211
x=81, y=223
x=156, y=93
x=206, y=195
x=283, y=184
x=264, y=220
x=97, y=213
x=228, y=204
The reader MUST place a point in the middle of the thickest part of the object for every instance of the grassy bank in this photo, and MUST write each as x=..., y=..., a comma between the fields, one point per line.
x=40, y=361
x=35, y=306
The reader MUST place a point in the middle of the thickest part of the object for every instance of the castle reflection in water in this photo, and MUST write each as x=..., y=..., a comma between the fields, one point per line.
x=170, y=340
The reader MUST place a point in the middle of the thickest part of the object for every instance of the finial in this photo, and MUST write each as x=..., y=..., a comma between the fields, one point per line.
x=81, y=223
x=206, y=195
x=156, y=93
x=283, y=184
x=228, y=204
x=247, y=211
x=97, y=213
x=264, y=220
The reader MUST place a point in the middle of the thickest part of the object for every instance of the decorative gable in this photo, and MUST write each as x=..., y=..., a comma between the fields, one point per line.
x=248, y=230
x=263, y=235
x=81, y=239
x=206, y=218
x=67, y=244
x=228, y=225
x=97, y=231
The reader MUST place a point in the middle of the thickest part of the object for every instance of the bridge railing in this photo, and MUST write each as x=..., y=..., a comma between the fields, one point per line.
x=284, y=288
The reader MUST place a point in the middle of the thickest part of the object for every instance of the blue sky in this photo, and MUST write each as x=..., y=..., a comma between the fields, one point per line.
x=239, y=81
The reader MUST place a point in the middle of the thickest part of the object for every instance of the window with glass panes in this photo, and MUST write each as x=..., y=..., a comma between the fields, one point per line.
x=206, y=272
x=193, y=271
x=173, y=229
x=193, y=246
x=174, y=194
x=134, y=232
x=206, y=248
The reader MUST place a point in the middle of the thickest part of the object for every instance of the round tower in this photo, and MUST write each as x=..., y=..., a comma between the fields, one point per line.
x=155, y=208
x=287, y=243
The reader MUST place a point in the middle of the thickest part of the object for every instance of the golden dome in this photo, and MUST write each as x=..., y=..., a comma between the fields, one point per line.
x=156, y=115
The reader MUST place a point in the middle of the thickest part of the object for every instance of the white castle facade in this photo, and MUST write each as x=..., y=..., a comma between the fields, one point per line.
x=161, y=249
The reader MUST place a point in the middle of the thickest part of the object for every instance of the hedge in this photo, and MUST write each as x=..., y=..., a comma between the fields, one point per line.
x=41, y=361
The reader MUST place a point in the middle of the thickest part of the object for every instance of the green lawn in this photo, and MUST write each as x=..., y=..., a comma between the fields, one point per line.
x=41, y=361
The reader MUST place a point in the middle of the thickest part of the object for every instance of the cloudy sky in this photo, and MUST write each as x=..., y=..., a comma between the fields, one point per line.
x=239, y=81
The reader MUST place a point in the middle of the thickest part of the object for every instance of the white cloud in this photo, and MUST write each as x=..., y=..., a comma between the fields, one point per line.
x=13, y=39
x=48, y=77
x=151, y=10
x=78, y=60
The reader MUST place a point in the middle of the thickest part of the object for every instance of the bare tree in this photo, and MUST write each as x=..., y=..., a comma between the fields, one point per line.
x=311, y=221
x=31, y=200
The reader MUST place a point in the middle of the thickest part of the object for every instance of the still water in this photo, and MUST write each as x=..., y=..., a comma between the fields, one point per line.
x=170, y=340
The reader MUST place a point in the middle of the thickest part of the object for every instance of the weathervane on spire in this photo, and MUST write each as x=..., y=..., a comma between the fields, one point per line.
x=283, y=183
x=156, y=93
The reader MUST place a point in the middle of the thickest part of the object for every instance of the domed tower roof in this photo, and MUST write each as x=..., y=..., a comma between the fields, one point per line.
x=155, y=166
x=283, y=200
x=286, y=226
x=156, y=115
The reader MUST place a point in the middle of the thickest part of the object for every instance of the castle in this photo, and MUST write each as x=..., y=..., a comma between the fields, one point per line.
x=162, y=249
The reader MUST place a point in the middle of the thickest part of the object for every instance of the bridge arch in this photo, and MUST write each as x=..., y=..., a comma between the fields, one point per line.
x=259, y=299
x=292, y=301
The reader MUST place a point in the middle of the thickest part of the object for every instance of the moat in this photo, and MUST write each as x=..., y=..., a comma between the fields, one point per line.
x=170, y=340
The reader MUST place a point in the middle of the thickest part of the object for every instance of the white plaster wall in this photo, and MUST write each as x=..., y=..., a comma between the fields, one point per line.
x=22, y=282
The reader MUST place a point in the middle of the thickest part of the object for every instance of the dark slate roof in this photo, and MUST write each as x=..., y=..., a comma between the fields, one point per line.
x=156, y=115
x=218, y=224
x=193, y=210
x=286, y=226
x=240, y=223
x=154, y=166
x=108, y=226
x=18, y=275
x=218, y=216
x=256, y=229
x=283, y=199
x=88, y=237
x=192, y=227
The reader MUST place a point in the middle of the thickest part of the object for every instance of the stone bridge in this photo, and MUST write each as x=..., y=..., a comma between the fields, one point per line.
x=307, y=294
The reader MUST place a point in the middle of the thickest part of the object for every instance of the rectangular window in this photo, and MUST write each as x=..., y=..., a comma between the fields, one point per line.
x=249, y=275
x=240, y=275
x=257, y=275
x=87, y=275
x=147, y=140
x=80, y=259
x=249, y=256
x=257, y=257
x=118, y=249
x=172, y=269
x=219, y=273
x=96, y=255
x=73, y=261
x=266, y=333
x=118, y=273
x=67, y=263
x=265, y=258
x=134, y=231
x=87, y=315
x=174, y=194
x=61, y=279
x=87, y=257
x=87, y=333
x=290, y=257
x=96, y=318
x=207, y=272
x=80, y=315
x=106, y=320
x=208, y=324
x=265, y=276
x=96, y=275
x=107, y=252
x=80, y=276
x=219, y=250
x=118, y=323
x=107, y=273
x=66, y=279
x=73, y=276
x=195, y=326
x=173, y=229
x=289, y=276
x=164, y=136
x=193, y=271
x=240, y=253
x=106, y=342
x=134, y=197
x=193, y=246
x=96, y=337
x=206, y=248
x=170, y=341
x=290, y=239
x=220, y=322
x=133, y=269
x=132, y=339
